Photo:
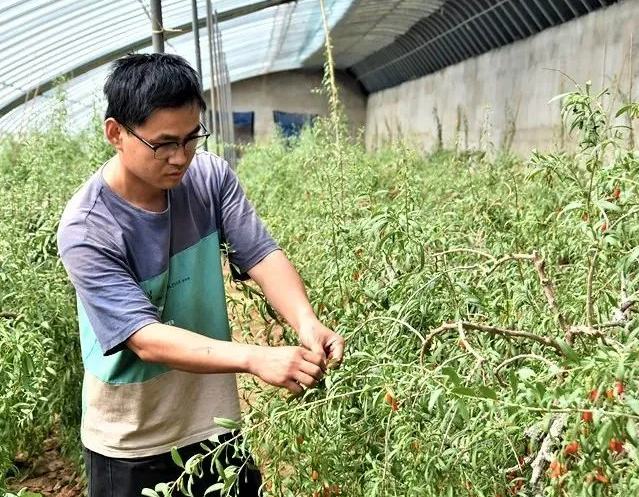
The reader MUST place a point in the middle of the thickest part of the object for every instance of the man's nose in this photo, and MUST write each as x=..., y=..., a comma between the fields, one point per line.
x=179, y=158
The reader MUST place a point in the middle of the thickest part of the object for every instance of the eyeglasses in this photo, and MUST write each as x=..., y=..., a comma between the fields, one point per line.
x=166, y=150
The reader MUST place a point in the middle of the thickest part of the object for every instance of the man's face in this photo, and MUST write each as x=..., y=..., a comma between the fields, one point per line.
x=162, y=127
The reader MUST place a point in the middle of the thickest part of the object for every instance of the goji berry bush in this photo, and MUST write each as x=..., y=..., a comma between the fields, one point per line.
x=489, y=309
x=40, y=364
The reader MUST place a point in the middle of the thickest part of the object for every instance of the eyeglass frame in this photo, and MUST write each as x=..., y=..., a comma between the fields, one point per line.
x=183, y=144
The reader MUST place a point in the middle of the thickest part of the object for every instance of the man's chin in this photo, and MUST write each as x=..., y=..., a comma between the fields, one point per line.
x=172, y=180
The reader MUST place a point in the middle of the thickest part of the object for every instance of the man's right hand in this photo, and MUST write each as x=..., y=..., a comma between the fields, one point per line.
x=288, y=367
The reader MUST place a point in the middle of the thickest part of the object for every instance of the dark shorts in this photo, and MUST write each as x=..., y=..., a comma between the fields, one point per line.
x=115, y=477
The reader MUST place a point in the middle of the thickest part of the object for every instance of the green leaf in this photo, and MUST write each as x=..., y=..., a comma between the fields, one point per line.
x=623, y=110
x=227, y=423
x=605, y=434
x=176, y=457
x=465, y=391
x=631, y=429
x=568, y=351
x=434, y=395
x=633, y=404
x=452, y=375
x=604, y=205
x=216, y=487
x=571, y=207
x=162, y=488
x=150, y=493
x=487, y=392
x=220, y=470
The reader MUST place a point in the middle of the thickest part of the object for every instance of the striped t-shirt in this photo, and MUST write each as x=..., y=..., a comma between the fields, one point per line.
x=131, y=268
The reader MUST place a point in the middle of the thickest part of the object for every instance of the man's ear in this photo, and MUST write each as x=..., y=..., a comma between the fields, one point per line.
x=113, y=132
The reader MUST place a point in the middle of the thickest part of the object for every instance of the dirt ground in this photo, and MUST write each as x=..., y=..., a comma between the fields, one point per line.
x=49, y=474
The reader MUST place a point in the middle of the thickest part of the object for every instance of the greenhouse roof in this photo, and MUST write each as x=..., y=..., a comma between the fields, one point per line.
x=381, y=43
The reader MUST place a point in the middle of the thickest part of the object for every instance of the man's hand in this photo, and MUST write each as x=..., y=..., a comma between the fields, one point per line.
x=323, y=341
x=288, y=367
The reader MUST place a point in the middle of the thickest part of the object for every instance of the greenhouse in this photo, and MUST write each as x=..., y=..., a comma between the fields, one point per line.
x=319, y=247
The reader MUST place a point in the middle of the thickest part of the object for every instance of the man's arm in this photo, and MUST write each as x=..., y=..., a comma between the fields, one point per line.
x=287, y=367
x=285, y=291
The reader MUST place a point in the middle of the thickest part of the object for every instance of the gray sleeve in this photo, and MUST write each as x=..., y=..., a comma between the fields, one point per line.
x=115, y=305
x=241, y=228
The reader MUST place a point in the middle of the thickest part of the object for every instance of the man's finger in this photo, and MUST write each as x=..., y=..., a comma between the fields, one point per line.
x=293, y=387
x=305, y=379
x=337, y=353
x=313, y=370
x=315, y=358
x=319, y=350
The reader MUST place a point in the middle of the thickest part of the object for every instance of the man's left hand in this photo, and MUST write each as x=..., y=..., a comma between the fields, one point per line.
x=322, y=340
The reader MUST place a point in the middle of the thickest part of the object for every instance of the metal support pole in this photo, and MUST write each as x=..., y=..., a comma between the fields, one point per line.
x=157, y=33
x=232, y=159
x=221, y=85
x=198, y=56
x=218, y=100
x=196, y=38
x=212, y=102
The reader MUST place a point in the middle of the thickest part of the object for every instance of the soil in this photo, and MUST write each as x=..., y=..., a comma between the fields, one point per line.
x=49, y=474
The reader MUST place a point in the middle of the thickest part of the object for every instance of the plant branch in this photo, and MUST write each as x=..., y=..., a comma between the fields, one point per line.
x=523, y=356
x=544, y=455
x=546, y=284
x=510, y=257
x=486, y=329
x=591, y=276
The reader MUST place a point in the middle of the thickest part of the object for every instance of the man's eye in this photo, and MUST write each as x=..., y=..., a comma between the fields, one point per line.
x=166, y=144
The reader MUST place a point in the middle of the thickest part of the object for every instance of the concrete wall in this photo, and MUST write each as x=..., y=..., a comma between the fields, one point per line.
x=291, y=91
x=511, y=86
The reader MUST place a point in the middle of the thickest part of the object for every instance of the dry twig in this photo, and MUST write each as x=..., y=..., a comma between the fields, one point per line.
x=545, y=455
x=486, y=329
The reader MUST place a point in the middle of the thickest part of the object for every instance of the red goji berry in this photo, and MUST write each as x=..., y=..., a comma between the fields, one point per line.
x=572, y=448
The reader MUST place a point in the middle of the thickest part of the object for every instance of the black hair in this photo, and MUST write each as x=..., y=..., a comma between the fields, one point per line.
x=139, y=84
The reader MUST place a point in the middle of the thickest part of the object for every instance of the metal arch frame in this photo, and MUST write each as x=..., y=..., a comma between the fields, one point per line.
x=75, y=41
x=505, y=21
x=523, y=20
x=123, y=50
x=542, y=9
x=60, y=42
x=532, y=15
x=467, y=18
x=557, y=11
x=587, y=5
x=421, y=62
x=517, y=25
x=443, y=51
x=386, y=63
x=475, y=17
x=370, y=32
x=471, y=38
x=505, y=25
x=488, y=20
x=465, y=49
x=571, y=7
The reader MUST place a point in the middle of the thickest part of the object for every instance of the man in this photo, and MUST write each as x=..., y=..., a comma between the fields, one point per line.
x=141, y=243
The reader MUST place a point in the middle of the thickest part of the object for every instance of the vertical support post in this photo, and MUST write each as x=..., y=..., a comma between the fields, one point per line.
x=221, y=81
x=218, y=86
x=157, y=31
x=198, y=55
x=212, y=99
x=196, y=38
